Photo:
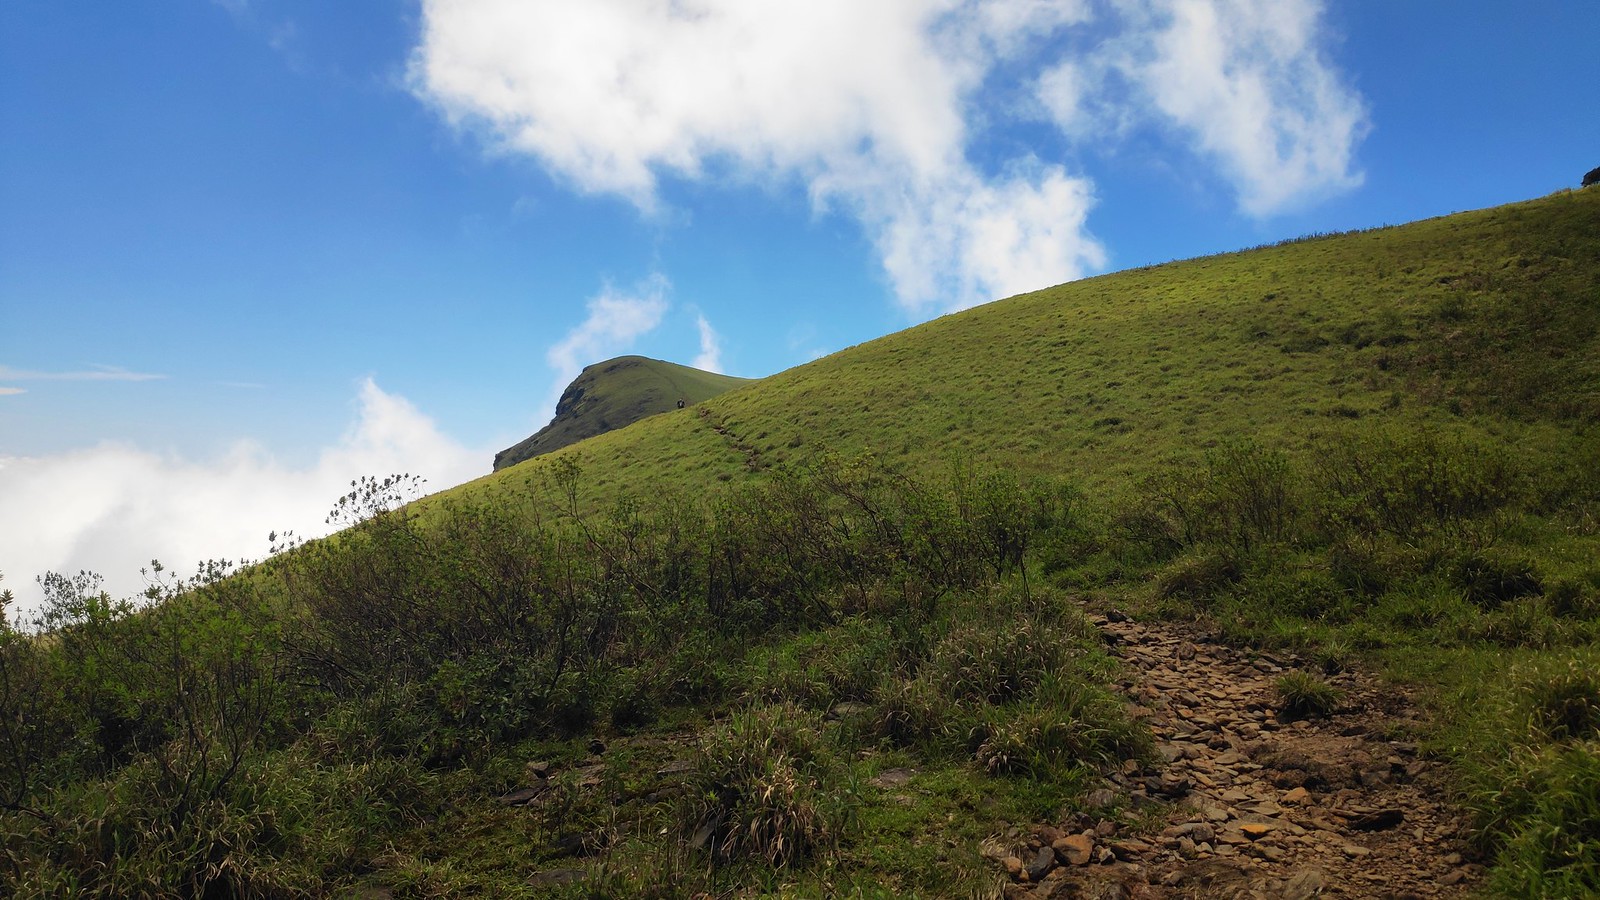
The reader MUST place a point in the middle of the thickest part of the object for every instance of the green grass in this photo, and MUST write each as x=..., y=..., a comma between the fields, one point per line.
x=1377, y=449
x=1473, y=338
x=614, y=394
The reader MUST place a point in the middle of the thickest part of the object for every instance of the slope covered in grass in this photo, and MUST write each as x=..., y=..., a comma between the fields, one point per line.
x=1487, y=317
x=825, y=634
x=614, y=394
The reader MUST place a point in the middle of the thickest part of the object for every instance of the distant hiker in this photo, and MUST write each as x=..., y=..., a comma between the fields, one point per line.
x=680, y=402
x=1593, y=177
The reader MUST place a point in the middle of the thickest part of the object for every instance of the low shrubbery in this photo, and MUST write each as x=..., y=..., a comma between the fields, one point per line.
x=245, y=734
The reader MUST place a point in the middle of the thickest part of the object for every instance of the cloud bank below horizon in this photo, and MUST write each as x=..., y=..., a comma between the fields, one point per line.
x=114, y=507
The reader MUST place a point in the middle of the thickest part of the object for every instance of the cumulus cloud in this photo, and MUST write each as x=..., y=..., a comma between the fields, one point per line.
x=616, y=319
x=863, y=104
x=875, y=109
x=1245, y=82
x=710, y=358
x=114, y=507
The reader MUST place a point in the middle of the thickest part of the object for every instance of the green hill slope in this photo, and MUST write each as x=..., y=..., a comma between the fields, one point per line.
x=614, y=394
x=828, y=633
x=1488, y=318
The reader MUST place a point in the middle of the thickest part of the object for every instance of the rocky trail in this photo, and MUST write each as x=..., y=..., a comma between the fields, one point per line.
x=1248, y=804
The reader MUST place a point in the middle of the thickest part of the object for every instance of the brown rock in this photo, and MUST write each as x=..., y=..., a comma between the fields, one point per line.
x=1013, y=866
x=1132, y=849
x=1296, y=797
x=1074, y=849
x=1255, y=831
x=1199, y=832
x=1303, y=885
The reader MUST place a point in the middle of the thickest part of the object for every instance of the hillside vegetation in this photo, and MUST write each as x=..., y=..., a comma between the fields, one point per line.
x=702, y=653
x=614, y=394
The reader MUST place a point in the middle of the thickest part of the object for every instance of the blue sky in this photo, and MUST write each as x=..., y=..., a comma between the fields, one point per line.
x=251, y=249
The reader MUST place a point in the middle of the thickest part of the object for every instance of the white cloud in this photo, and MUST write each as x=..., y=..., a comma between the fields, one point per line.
x=11, y=391
x=114, y=507
x=1243, y=80
x=616, y=318
x=710, y=358
x=877, y=109
x=864, y=104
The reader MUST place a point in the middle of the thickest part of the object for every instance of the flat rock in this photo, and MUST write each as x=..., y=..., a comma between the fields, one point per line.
x=1074, y=849
x=892, y=778
x=1255, y=831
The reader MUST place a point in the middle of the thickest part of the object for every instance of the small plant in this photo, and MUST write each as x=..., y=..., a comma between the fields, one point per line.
x=1302, y=695
x=1334, y=657
x=766, y=787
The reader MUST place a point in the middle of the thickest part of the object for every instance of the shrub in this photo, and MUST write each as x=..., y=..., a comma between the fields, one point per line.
x=1244, y=496
x=1198, y=575
x=767, y=787
x=1415, y=484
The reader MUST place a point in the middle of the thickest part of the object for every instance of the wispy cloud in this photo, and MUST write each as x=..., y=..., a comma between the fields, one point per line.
x=11, y=391
x=617, y=317
x=710, y=357
x=94, y=372
x=1244, y=82
x=114, y=507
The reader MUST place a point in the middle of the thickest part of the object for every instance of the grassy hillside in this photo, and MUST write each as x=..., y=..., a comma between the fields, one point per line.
x=614, y=394
x=825, y=634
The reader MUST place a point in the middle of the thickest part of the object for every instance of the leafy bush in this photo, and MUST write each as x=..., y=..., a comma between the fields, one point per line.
x=1415, y=484
x=1244, y=496
x=1198, y=575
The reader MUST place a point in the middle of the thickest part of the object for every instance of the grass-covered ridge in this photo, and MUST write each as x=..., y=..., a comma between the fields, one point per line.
x=823, y=635
x=1484, y=318
x=614, y=394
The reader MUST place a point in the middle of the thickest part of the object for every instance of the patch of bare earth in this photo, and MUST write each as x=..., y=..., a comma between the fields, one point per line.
x=1248, y=804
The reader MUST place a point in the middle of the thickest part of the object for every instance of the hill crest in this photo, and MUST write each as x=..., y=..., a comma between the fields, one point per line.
x=614, y=394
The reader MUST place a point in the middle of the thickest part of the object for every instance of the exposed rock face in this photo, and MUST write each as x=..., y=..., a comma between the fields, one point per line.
x=615, y=394
x=1593, y=177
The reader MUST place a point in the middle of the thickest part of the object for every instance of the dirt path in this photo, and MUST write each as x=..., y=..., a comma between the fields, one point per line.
x=1253, y=806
